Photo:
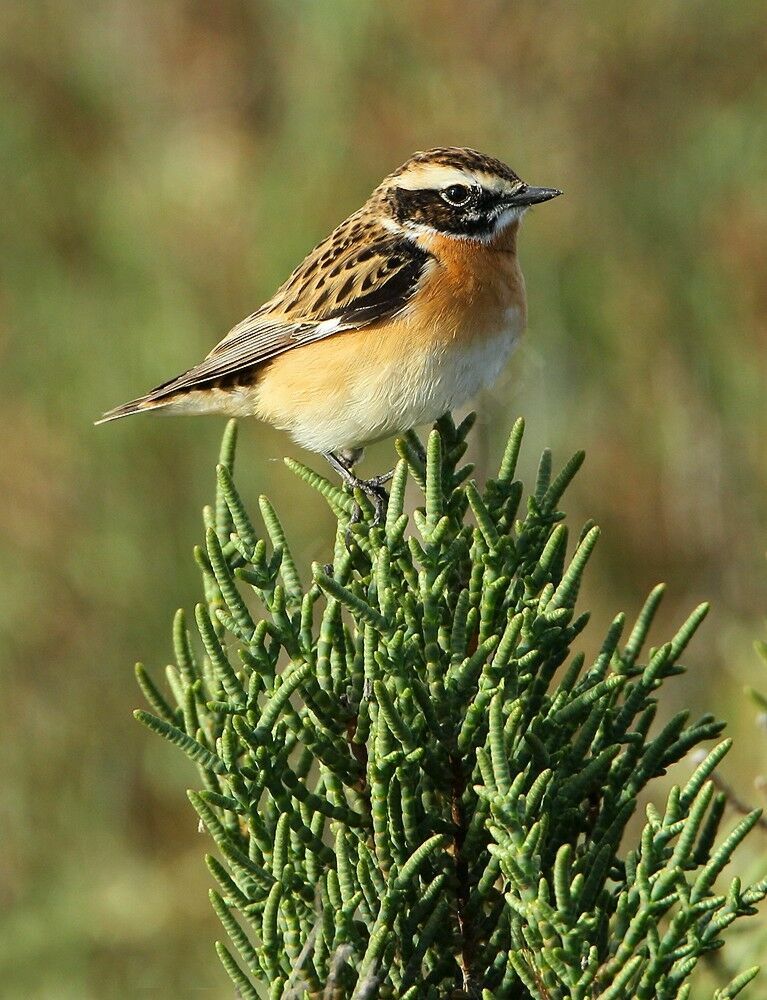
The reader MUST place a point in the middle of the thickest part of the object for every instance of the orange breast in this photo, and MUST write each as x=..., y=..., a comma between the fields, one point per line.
x=473, y=290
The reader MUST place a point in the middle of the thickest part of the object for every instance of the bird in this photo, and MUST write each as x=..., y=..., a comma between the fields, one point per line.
x=402, y=314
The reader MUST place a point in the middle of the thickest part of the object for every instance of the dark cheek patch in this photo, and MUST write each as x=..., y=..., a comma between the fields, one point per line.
x=427, y=208
x=423, y=207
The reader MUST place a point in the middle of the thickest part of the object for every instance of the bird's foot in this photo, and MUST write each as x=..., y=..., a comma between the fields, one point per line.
x=372, y=488
x=379, y=481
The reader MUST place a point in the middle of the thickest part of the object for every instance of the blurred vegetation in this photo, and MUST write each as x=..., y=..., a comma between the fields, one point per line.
x=162, y=168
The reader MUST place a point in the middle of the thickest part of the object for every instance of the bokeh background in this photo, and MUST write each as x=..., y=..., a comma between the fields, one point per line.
x=162, y=167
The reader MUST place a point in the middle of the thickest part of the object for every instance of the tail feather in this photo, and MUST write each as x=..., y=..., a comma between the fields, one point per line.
x=140, y=405
x=161, y=396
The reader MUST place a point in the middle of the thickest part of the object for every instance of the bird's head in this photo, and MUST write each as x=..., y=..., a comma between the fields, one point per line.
x=457, y=192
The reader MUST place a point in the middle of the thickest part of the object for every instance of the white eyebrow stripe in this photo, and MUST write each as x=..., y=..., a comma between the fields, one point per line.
x=434, y=176
x=492, y=182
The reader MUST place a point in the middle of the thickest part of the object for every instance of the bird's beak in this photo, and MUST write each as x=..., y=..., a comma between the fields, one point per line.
x=526, y=195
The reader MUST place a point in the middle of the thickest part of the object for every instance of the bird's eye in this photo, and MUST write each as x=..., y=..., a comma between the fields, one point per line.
x=456, y=194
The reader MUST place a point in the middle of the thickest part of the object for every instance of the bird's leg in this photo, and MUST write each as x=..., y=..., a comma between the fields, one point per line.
x=343, y=464
x=346, y=474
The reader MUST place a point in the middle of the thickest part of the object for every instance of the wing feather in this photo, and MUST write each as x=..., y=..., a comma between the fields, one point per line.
x=362, y=273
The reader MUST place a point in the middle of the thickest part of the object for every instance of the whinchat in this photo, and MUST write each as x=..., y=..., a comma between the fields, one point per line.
x=402, y=314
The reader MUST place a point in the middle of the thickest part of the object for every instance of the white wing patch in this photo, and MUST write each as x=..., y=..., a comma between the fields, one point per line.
x=326, y=327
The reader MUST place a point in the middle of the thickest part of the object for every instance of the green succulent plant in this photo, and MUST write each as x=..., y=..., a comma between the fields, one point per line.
x=416, y=788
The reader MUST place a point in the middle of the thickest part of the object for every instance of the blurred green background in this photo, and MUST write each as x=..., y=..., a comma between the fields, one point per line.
x=162, y=167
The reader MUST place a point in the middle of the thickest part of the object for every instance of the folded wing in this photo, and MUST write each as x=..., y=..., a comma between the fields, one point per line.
x=361, y=274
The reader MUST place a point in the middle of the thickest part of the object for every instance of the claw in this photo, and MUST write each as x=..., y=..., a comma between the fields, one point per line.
x=372, y=488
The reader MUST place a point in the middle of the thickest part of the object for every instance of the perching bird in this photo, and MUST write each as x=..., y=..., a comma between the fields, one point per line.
x=409, y=308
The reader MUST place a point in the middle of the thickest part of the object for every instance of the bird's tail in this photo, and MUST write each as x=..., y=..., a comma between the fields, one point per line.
x=164, y=396
x=140, y=405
